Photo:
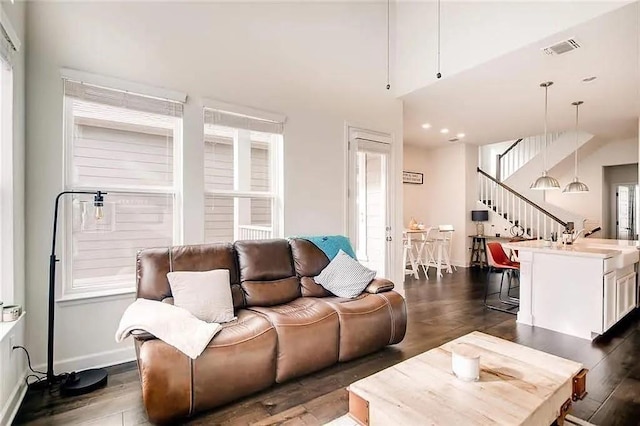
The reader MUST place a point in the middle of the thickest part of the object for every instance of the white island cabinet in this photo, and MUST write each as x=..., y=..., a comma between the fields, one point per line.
x=581, y=289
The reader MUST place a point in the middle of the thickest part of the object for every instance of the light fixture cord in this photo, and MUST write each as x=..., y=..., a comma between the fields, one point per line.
x=438, y=74
x=576, y=156
x=546, y=109
x=388, y=44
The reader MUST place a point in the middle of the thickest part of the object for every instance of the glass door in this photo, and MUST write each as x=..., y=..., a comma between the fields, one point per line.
x=627, y=201
x=370, y=229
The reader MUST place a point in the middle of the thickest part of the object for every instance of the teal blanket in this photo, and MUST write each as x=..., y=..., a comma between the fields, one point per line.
x=332, y=244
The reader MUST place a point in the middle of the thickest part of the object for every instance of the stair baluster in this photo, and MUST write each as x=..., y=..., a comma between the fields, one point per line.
x=514, y=207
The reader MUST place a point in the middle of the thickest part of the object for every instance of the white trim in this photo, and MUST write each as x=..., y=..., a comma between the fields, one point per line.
x=7, y=267
x=95, y=296
x=369, y=135
x=124, y=85
x=66, y=292
x=7, y=326
x=10, y=410
x=95, y=360
x=372, y=141
x=244, y=110
x=11, y=32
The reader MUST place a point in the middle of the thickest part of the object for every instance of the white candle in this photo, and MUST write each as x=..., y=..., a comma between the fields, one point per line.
x=465, y=362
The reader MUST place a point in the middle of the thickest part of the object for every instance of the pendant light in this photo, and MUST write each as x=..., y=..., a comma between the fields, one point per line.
x=545, y=181
x=576, y=186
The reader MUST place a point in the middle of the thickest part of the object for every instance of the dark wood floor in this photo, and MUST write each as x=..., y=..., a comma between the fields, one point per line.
x=439, y=310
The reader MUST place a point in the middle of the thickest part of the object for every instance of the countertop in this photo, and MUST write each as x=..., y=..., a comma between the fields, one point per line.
x=584, y=247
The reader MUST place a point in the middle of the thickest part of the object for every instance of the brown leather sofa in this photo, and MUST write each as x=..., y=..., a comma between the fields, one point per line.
x=287, y=325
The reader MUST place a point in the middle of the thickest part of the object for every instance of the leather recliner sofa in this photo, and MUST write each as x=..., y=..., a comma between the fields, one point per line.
x=286, y=326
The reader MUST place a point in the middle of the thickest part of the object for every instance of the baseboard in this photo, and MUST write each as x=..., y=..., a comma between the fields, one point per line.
x=98, y=360
x=14, y=401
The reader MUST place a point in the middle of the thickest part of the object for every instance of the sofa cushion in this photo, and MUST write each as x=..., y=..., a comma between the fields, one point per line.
x=308, y=335
x=345, y=276
x=264, y=260
x=309, y=261
x=269, y=293
x=206, y=294
x=310, y=288
x=241, y=359
x=266, y=272
x=152, y=266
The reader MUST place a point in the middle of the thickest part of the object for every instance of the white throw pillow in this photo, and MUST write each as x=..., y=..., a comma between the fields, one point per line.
x=344, y=276
x=206, y=294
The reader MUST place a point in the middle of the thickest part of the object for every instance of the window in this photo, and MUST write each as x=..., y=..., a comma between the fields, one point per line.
x=6, y=181
x=242, y=169
x=126, y=145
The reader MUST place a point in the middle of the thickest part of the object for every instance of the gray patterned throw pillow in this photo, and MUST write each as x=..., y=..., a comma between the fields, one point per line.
x=344, y=276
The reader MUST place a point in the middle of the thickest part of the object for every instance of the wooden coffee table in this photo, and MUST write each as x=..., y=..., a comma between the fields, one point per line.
x=518, y=386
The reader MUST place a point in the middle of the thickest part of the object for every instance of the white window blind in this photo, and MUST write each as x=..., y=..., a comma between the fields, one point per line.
x=242, y=164
x=240, y=121
x=122, y=143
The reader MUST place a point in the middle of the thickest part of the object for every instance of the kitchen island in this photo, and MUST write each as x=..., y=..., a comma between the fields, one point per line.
x=581, y=289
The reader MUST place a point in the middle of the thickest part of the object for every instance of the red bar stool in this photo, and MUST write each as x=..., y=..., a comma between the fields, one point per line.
x=498, y=260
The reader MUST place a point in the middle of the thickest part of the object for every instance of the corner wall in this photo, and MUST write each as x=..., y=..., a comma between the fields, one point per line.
x=448, y=194
x=593, y=157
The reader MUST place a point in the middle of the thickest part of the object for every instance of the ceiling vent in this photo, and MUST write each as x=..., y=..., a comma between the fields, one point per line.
x=562, y=47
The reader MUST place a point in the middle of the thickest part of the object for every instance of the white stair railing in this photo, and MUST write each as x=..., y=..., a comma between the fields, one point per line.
x=520, y=153
x=514, y=207
x=254, y=232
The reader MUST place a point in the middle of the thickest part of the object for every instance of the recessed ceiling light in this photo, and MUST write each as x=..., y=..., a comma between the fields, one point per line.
x=426, y=126
x=444, y=131
x=460, y=135
x=588, y=79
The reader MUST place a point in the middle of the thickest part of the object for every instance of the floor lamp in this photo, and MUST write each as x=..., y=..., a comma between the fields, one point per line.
x=74, y=383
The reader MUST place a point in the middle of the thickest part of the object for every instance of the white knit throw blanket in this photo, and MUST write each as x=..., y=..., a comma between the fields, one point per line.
x=171, y=324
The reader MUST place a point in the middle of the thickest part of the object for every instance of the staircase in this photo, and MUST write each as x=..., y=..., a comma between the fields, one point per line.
x=517, y=209
x=520, y=153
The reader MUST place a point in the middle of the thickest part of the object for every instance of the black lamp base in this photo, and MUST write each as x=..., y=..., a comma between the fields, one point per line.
x=81, y=382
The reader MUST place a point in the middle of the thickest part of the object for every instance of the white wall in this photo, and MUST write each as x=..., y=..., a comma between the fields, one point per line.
x=448, y=194
x=320, y=64
x=473, y=32
x=488, y=154
x=416, y=197
x=593, y=205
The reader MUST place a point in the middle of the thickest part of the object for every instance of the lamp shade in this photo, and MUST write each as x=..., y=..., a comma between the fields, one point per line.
x=545, y=182
x=575, y=187
x=479, y=215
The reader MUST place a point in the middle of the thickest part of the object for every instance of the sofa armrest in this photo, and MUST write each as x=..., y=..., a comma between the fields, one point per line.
x=379, y=285
x=142, y=335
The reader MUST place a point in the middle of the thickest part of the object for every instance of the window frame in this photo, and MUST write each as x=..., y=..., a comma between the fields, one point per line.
x=112, y=285
x=7, y=288
x=276, y=164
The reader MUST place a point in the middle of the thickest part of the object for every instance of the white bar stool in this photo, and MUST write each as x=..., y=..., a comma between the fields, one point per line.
x=408, y=256
x=443, y=246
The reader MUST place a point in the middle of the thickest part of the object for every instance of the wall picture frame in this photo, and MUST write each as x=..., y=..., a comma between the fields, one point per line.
x=413, y=178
